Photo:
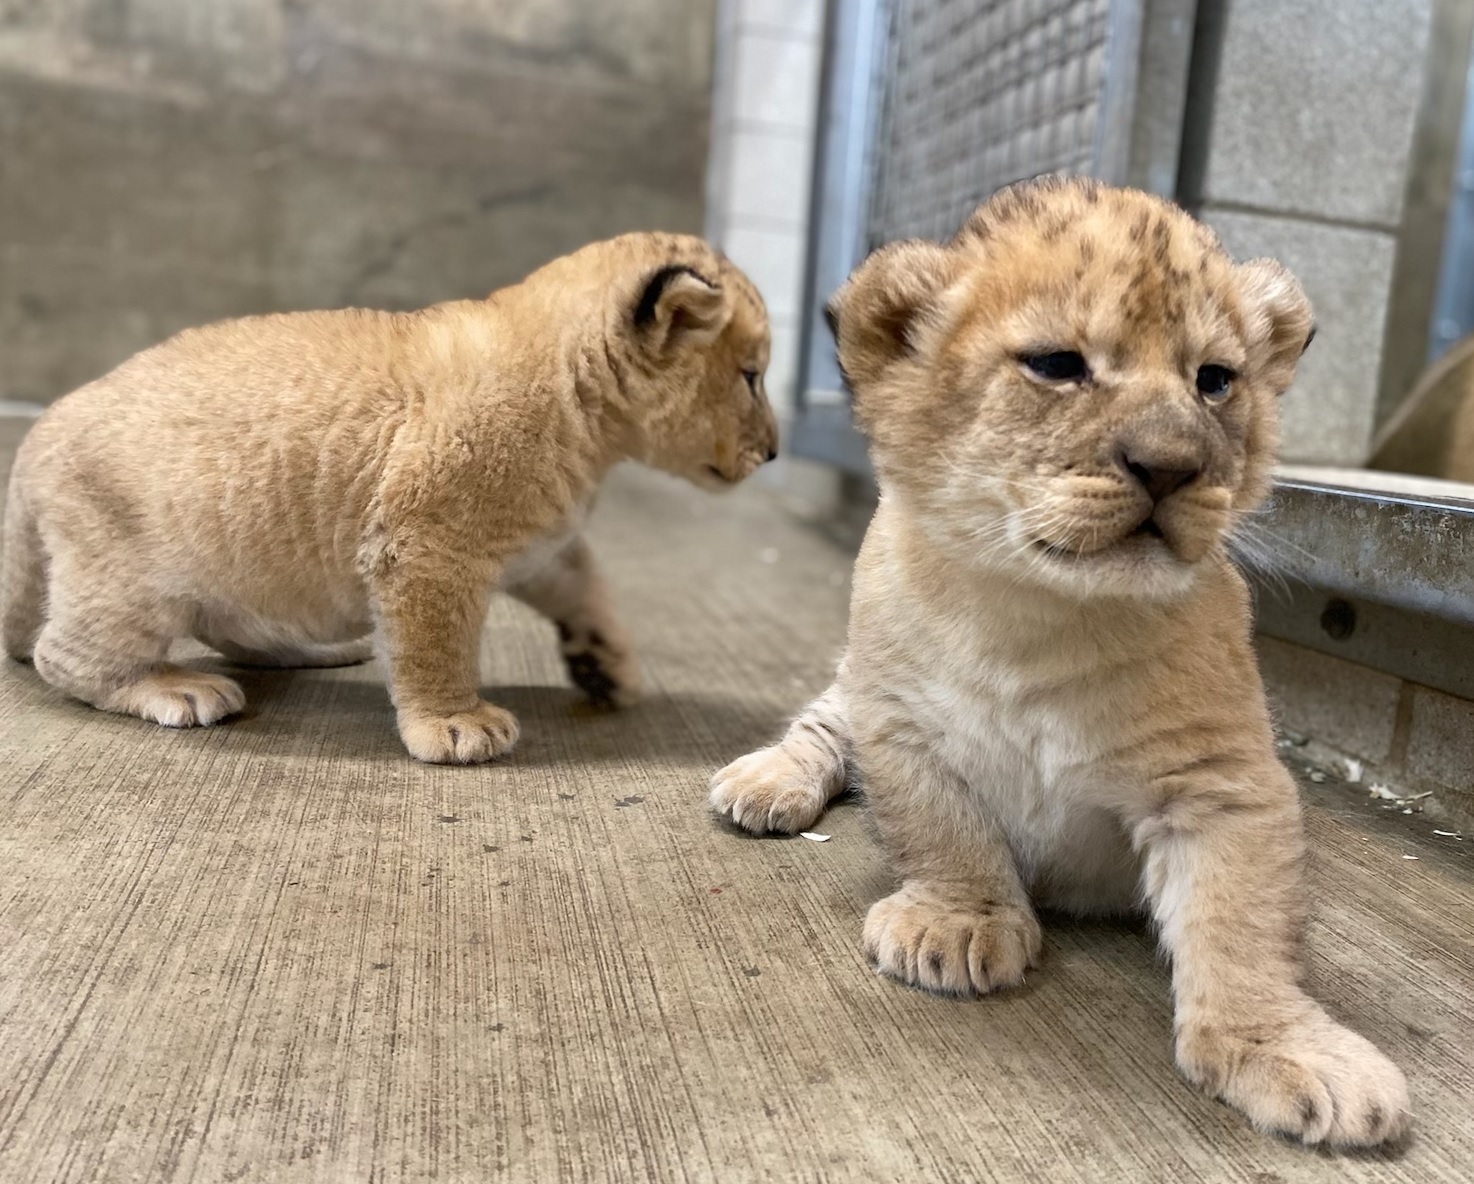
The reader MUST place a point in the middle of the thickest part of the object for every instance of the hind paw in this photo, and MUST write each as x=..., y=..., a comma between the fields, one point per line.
x=601, y=664
x=178, y=698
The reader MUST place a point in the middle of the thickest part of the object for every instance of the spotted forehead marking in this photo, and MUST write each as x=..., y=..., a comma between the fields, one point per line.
x=1148, y=261
x=1043, y=202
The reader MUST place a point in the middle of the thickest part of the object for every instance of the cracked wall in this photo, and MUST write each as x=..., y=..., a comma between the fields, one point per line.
x=169, y=162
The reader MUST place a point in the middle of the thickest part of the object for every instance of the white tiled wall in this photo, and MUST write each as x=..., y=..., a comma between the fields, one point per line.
x=775, y=74
x=767, y=251
x=764, y=111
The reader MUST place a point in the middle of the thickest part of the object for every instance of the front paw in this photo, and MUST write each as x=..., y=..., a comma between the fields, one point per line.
x=1309, y=1078
x=950, y=948
x=602, y=665
x=462, y=738
x=769, y=790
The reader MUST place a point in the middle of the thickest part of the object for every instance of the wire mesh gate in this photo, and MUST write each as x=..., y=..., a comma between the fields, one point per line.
x=978, y=95
x=929, y=106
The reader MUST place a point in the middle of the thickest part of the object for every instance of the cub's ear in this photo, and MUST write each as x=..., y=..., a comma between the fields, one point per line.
x=876, y=312
x=680, y=306
x=1280, y=321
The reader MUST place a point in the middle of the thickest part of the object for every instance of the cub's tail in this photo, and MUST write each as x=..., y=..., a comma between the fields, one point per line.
x=22, y=579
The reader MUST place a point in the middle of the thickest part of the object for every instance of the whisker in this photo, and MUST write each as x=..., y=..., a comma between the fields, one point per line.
x=1256, y=557
x=1263, y=532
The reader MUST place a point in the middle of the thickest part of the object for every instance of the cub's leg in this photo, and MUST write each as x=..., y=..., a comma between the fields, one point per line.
x=1223, y=874
x=22, y=580
x=961, y=922
x=430, y=609
x=786, y=788
x=107, y=649
x=570, y=591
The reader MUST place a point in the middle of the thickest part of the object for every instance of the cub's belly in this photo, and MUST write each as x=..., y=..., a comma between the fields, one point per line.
x=535, y=560
x=327, y=601
x=325, y=613
x=1046, y=797
x=1087, y=867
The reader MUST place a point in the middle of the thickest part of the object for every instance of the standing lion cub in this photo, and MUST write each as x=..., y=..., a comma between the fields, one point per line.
x=1050, y=695
x=279, y=487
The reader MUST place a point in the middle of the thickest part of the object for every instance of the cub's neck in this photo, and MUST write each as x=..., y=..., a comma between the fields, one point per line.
x=520, y=357
x=1013, y=616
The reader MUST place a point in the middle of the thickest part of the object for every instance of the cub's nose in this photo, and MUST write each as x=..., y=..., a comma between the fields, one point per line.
x=772, y=453
x=1160, y=480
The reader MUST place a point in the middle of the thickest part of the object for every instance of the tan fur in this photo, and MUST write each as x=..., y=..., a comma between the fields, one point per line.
x=281, y=486
x=1046, y=706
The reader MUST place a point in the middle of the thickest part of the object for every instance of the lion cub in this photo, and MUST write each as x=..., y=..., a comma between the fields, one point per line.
x=279, y=487
x=1050, y=695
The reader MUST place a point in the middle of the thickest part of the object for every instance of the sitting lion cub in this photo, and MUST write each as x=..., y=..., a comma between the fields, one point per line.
x=1050, y=696
x=279, y=486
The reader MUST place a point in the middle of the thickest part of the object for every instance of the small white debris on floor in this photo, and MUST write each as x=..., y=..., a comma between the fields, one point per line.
x=1408, y=805
x=1449, y=834
x=1410, y=857
x=1352, y=770
x=808, y=834
x=1317, y=776
x=768, y=555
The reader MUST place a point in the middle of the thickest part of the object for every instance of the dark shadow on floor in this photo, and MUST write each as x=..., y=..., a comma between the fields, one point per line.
x=557, y=724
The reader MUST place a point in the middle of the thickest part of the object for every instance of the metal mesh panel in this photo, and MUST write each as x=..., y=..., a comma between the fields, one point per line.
x=981, y=93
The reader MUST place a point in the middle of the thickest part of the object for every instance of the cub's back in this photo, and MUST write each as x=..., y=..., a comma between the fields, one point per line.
x=262, y=424
x=307, y=367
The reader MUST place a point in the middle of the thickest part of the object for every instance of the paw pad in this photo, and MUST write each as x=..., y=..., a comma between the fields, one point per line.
x=589, y=676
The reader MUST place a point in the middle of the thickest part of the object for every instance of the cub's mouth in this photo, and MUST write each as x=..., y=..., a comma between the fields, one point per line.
x=1146, y=535
x=745, y=465
x=716, y=479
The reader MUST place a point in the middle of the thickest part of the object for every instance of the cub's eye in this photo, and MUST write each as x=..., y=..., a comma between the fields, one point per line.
x=1061, y=366
x=1214, y=382
x=751, y=377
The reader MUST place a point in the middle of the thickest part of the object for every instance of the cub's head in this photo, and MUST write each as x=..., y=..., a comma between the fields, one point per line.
x=1080, y=389
x=689, y=344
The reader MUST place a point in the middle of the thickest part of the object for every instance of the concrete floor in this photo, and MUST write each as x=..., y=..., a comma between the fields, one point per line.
x=281, y=951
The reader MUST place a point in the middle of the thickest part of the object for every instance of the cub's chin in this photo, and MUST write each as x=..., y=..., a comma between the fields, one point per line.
x=1142, y=566
x=719, y=478
x=707, y=476
x=713, y=479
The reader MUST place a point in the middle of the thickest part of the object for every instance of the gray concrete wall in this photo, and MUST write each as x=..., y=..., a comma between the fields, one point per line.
x=169, y=162
x=1298, y=147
